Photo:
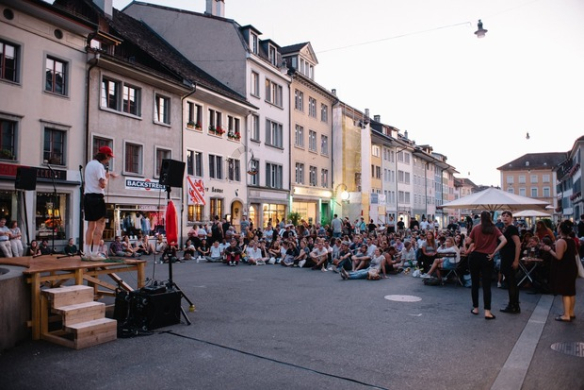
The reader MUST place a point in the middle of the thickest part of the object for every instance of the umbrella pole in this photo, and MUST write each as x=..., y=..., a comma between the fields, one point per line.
x=171, y=284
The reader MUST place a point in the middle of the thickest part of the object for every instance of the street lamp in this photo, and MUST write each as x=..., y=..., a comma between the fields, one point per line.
x=481, y=32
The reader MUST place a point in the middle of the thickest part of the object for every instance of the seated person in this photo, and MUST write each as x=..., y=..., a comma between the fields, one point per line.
x=45, y=249
x=117, y=249
x=233, y=253
x=291, y=252
x=343, y=260
x=170, y=253
x=203, y=249
x=161, y=244
x=319, y=256
x=254, y=254
x=303, y=251
x=34, y=249
x=374, y=268
x=129, y=247
x=408, y=255
x=275, y=251
x=215, y=253
x=392, y=263
x=102, y=249
x=189, y=251
x=143, y=246
x=447, y=262
x=70, y=248
x=361, y=259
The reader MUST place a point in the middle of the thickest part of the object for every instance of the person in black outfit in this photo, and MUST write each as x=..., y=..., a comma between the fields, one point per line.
x=510, y=262
x=581, y=227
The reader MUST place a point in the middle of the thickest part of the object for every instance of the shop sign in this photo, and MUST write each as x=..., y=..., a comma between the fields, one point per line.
x=139, y=184
x=42, y=173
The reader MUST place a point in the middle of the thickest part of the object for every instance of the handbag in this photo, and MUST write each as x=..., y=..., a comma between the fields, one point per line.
x=579, y=266
x=373, y=274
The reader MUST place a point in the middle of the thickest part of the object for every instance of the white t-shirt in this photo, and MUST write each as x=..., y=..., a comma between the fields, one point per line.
x=254, y=253
x=215, y=251
x=94, y=171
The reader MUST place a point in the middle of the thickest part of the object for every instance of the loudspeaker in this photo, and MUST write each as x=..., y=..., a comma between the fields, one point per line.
x=172, y=173
x=26, y=179
x=151, y=311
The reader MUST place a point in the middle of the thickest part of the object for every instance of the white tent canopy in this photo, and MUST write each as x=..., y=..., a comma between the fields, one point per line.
x=493, y=199
x=532, y=213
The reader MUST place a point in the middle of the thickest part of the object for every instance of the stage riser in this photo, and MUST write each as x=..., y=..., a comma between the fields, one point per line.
x=83, y=312
x=70, y=295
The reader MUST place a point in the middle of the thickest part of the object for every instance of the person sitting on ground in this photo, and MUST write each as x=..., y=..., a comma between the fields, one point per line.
x=45, y=248
x=408, y=255
x=116, y=248
x=319, y=256
x=447, y=262
x=233, y=253
x=203, y=249
x=254, y=254
x=143, y=246
x=189, y=251
x=102, y=249
x=275, y=251
x=291, y=253
x=129, y=247
x=161, y=244
x=361, y=259
x=302, y=256
x=371, y=272
x=34, y=249
x=70, y=249
x=215, y=253
x=392, y=263
x=343, y=260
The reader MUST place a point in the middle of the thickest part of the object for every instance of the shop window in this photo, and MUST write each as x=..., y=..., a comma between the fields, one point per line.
x=274, y=213
x=51, y=211
x=216, y=207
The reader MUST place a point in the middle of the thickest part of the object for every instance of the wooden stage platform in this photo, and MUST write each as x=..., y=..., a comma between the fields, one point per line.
x=53, y=272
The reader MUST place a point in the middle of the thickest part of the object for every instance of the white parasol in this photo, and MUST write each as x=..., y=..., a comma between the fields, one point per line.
x=493, y=199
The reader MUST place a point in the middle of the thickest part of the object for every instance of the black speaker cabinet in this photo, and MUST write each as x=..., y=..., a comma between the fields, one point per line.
x=151, y=311
x=172, y=173
x=26, y=179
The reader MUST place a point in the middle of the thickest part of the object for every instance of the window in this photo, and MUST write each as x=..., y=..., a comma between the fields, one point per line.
x=521, y=179
x=375, y=150
x=312, y=177
x=312, y=107
x=312, y=140
x=299, y=137
x=234, y=166
x=54, y=146
x=522, y=191
x=510, y=179
x=324, y=148
x=233, y=125
x=400, y=176
x=255, y=84
x=533, y=178
x=98, y=142
x=273, y=55
x=324, y=112
x=215, y=167
x=162, y=109
x=274, y=93
x=254, y=47
x=133, y=158
x=299, y=100
x=254, y=172
x=274, y=134
x=9, y=61
x=545, y=178
x=299, y=173
x=255, y=128
x=407, y=158
x=378, y=172
x=194, y=163
x=195, y=113
x=274, y=175
x=216, y=206
x=195, y=212
x=546, y=192
x=8, y=139
x=407, y=177
x=324, y=174
x=534, y=192
x=119, y=96
x=161, y=154
x=55, y=76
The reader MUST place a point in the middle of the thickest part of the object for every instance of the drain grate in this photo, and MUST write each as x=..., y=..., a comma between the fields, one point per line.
x=573, y=349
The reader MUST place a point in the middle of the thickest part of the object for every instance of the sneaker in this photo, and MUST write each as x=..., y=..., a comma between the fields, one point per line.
x=426, y=276
x=96, y=257
x=499, y=285
x=324, y=270
x=330, y=268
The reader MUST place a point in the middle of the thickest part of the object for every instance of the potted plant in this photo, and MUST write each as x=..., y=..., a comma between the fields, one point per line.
x=219, y=130
x=6, y=154
x=198, y=126
x=234, y=135
x=190, y=124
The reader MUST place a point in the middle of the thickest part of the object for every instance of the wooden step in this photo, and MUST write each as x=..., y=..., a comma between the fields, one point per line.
x=69, y=295
x=81, y=312
x=94, y=332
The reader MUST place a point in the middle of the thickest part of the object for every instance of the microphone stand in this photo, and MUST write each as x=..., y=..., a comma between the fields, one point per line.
x=54, y=204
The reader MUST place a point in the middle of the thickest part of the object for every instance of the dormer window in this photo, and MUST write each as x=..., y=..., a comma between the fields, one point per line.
x=273, y=55
x=253, y=43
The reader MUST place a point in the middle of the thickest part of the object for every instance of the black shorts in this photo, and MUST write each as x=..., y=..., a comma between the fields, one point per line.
x=94, y=207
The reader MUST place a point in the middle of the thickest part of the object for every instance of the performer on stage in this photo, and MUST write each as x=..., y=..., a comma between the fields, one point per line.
x=96, y=178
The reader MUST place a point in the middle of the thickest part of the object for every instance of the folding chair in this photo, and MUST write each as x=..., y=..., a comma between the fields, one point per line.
x=453, y=268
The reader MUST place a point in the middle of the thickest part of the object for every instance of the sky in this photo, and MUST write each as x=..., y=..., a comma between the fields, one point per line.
x=418, y=64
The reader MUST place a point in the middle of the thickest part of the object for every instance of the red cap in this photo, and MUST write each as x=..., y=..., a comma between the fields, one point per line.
x=106, y=150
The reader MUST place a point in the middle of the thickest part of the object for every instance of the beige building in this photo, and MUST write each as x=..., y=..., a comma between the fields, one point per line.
x=311, y=136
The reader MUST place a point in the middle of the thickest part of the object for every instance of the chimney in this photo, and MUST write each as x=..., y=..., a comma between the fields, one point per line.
x=406, y=134
x=215, y=8
x=366, y=113
x=377, y=118
x=106, y=6
x=334, y=91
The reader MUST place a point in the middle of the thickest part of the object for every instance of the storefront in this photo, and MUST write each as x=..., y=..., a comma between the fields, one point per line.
x=312, y=204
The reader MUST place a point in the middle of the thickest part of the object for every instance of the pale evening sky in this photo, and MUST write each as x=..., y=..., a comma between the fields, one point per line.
x=418, y=64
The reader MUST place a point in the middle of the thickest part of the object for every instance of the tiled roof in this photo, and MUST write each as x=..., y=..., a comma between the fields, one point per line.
x=292, y=48
x=535, y=161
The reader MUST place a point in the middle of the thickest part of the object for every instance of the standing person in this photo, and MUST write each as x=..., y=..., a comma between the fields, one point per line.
x=16, y=239
x=401, y=225
x=96, y=178
x=564, y=270
x=510, y=261
x=483, y=241
x=337, y=226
